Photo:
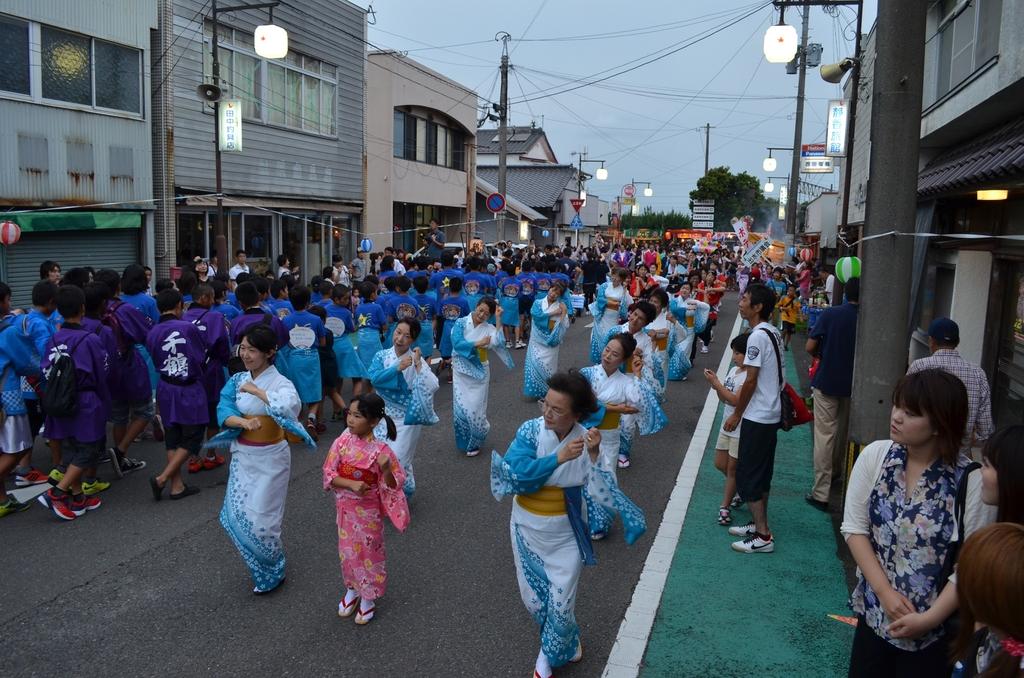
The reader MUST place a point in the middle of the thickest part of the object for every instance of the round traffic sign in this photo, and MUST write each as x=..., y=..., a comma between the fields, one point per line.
x=496, y=202
x=629, y=190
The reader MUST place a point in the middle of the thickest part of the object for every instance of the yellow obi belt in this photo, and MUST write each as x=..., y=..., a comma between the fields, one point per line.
x=613, y=304
x=482, y=354
x=269, y=433
x=547, y=501
x=610, y=421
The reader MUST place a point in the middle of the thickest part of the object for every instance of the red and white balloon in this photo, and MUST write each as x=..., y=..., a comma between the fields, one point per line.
x=806, y=254
x=10, y=232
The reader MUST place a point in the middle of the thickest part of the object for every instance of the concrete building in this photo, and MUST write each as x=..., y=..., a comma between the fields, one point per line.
x=820, y=219
x=296, y=185
x=75, y=106
x=420, y=164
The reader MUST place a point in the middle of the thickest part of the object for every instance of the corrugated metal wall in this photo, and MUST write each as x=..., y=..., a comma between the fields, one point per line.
x=100, y=249
x=275, y=161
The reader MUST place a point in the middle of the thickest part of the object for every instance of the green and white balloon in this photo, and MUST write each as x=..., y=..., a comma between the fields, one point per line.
x=848, y=268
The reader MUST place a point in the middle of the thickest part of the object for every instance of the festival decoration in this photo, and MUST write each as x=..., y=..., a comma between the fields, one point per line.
x=848, y=268
x=806, y=254
x=545, y=233
x=10, y=233
x=366, y=245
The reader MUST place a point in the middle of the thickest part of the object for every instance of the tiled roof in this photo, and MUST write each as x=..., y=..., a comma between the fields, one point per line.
x=520, y=140
x=485, y=188
x=988, y=160
x=538, y=186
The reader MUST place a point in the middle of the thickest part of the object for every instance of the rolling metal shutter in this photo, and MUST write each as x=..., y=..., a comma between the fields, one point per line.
x=113, y=248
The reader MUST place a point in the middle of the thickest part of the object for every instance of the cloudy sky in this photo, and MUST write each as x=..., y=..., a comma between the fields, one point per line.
x=643, y=122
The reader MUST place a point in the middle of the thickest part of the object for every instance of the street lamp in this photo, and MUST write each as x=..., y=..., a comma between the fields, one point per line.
x=601, y=173
x=270, y=42
x=648, y=192
x=780, y=42
x=769, y=187
x=769, y=164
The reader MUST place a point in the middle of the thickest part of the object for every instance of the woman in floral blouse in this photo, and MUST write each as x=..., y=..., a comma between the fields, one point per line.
x=899, y=524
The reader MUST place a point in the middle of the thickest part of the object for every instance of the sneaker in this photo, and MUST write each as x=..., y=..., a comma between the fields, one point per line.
x=736, y=502
x=33, y=477
x=472, y=453
x=755, y=543
x=195, y=465
x=508, y=344
x=60, y=504
x=724, y=515
x=115, y=462
x=94, y=487
x=56, y=475
x=623, y=462
x=210, y=463
x=87, y=504
x=128, y=465
x=598, y=536
x=520, y=344
x=817, y=503
x=742, y=530
x=10, y=506
x=703, y=349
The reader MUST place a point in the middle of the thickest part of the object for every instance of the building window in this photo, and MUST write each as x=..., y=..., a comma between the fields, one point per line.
x=967, y=41
x=298, y=91
x=72, y=63
x=117, y=69
x=418, y=139
x=14, y=68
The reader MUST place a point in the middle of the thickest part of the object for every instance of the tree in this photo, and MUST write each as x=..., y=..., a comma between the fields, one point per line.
x=657, y=221
x=734, y=194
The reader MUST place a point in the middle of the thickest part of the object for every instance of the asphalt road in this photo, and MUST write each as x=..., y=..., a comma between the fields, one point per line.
x=144, y=589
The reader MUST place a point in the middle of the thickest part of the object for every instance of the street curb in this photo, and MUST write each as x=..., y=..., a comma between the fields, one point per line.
x=631, y=641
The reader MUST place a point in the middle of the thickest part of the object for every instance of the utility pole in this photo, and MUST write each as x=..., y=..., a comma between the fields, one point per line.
x=882, y=338
x=707, y=146
x=794, y=173
x=220, y=239
x=503, y=129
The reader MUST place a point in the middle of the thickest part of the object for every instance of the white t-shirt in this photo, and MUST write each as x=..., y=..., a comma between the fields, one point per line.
x=734, y=382
x=765, y=406
x=236, y=269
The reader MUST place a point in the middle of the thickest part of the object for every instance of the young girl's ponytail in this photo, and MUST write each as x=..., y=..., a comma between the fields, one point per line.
x=392, y=431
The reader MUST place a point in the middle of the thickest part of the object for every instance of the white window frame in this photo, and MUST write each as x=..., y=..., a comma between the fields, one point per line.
x=35, y=74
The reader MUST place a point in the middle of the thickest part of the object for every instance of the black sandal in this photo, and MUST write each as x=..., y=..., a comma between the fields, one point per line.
x=187, y=492
x=158, y=491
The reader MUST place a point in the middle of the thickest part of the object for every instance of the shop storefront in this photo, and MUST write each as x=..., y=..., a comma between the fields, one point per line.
x=1008, y=332
x=411, y=223
x=308, y=238
x=72, y=239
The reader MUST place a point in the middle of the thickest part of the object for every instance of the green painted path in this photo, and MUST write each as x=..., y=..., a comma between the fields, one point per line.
x=725, y=613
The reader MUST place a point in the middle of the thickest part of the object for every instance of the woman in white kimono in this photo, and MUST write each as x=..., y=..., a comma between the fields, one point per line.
x=473, y=339
x=546, y=467
x=407, y=384
x=642, y=314
x=620, y=394
x=692, y=317
x=257, y=409
x=550, y=320
x=609, y=309
x=659, y=330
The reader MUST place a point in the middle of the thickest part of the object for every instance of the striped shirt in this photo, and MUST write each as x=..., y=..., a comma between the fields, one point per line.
x=979, y=395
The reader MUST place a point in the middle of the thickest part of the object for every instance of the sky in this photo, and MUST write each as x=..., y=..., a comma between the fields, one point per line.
x=648, y=123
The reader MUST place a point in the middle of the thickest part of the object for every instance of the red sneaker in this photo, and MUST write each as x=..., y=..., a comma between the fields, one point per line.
x=33, y=477
x=60, y=504
x=88, y=503
x=195, y=465
x=210, y=463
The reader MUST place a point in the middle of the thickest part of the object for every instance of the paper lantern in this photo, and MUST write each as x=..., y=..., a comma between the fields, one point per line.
x=791, y=251
x=10, y=232
x=848, y=268
x=780, y=44
x=806, y=254
x=270, y=41
x=545, y=233
x=366, y=245
x=696, y=248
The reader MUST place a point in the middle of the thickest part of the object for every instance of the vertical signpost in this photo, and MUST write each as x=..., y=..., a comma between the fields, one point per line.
x=704, y=214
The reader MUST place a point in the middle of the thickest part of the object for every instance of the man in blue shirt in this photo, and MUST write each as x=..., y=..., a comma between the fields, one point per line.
x=435, y=240
x=833, y=340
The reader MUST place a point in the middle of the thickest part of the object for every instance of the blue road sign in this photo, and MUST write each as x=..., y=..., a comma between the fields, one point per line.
x=576, y=223
x=496, y=202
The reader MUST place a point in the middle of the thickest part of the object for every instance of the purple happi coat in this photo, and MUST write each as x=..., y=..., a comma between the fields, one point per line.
x=131, y=329
x=178, y=354
x=214, y=330
x=89, y=424
x=106, y=335
x=255, y=316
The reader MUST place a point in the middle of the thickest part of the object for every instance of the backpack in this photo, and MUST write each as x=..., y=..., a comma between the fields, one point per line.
x=60, y=399
x=235, y=364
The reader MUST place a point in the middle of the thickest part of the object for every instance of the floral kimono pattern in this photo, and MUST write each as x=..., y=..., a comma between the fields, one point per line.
x=542, y=351
x=361, y=518
x=682, y=337
x=605, y=321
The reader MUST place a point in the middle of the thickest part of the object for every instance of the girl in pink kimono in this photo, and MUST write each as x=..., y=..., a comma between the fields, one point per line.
x=367, y=481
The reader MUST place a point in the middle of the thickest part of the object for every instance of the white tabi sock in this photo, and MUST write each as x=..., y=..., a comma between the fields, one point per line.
x=543, y=666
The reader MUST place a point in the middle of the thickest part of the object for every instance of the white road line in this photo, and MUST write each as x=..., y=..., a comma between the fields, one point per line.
x=635, y=630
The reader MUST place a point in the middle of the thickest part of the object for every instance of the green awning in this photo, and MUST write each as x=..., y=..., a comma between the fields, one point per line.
x=37, y=222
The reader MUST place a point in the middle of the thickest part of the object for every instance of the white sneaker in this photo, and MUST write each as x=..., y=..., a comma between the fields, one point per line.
x=754, y=544
x=703, y=349
x=742, y=530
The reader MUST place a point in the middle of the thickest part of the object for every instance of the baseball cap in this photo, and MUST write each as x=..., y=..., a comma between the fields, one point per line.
x=944, y=330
